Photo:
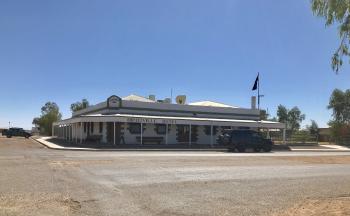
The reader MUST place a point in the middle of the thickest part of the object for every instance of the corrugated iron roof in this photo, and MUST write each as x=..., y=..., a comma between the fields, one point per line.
x=210, y=103
x=134, y=97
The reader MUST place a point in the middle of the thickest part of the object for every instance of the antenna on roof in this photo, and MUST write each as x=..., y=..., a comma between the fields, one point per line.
x=171, y=95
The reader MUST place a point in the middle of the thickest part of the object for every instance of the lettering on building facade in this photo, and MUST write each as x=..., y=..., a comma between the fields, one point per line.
x=151, y=121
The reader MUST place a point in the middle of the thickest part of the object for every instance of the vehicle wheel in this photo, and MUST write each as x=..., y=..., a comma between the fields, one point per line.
x=241, y=148
x=26, y=136
x=8, y=136
x=257, y=149
x=267, y=148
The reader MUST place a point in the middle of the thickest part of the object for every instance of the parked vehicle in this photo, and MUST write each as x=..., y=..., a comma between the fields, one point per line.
x=243, y=139
x=16, y=132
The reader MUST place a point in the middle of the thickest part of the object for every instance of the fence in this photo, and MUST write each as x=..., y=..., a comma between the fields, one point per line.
x=296, y=138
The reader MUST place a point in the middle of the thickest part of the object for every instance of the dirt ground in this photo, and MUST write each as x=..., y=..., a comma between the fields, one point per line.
x=334, y=206
x=32, y=204
x=318, y=159
x=38, y=181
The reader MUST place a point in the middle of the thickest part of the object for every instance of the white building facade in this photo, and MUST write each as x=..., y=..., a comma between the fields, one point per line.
x=135, y=120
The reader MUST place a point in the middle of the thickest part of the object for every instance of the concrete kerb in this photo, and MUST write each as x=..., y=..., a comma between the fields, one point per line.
x=43, y=141
x=50, y=145
x=313, y=150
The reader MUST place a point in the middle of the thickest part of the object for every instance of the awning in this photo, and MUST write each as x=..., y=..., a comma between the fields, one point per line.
x=150, y=119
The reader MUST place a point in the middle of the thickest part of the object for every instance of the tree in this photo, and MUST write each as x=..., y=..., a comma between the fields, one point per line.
x=36, y=121
x=263, y=115
x=292, y=118
x=340, y=132
x=273, y=119
x=49, y=114
x=339, y=102
x=282, y=113
x=79, y=105
x=313, y=128
x=295, y=118
x=336, y=11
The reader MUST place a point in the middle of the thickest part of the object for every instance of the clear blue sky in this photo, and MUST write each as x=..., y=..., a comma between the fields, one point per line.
x=64, y=51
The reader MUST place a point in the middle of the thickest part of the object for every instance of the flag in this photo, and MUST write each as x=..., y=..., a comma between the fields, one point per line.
x=256, y=83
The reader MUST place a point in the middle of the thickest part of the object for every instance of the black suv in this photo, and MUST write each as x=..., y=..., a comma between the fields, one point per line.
x=243, y=139
x=16, y=132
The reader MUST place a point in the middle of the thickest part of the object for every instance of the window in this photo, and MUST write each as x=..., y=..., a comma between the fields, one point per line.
x=183, y=132
x=92, y=127
x=160, y=129
x=207, y=130
x=101, y=127
x=134, y=128
x=84, y=127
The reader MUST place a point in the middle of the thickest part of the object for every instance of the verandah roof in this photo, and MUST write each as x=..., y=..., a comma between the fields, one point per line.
x=171, y=120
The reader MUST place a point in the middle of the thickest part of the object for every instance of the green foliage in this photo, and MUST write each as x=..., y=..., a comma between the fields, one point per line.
x=339, y=103
x=292, y=117
x=295, y=118
x=282, y=113
x=340, y=132
x=79, y=105
x=36, y=121
x=49, y=114
x=313, y=128
x=273, y=119
x=336, y=12
x=303, y=136
x=263, y=115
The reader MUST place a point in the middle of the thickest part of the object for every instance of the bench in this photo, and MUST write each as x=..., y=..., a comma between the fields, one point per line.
x=94, y=138
x=147, y=139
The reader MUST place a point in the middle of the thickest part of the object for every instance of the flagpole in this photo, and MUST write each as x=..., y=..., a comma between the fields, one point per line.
x=258, y=91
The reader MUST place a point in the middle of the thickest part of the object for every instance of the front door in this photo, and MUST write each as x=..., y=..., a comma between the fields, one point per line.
x=110, y=132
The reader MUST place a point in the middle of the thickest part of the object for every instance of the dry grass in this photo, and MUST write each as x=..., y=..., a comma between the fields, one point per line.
x=38, y=204
x=319, y=159
x=338, y=206
x=78, y=162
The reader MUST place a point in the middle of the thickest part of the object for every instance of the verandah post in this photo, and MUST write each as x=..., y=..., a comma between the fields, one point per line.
x=166, y=134
x=75, y=132
x=81, y=132
x=113, y=133
x=211, y=135
x=190, y=136
x=141, y=133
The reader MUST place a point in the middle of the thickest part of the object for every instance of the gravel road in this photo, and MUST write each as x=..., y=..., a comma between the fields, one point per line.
x=38, y=181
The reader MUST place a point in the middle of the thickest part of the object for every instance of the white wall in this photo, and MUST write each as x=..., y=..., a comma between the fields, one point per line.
x=202, y=137
x=149, y=130
x=128, y=137
x=104, y=132
x=172, y=134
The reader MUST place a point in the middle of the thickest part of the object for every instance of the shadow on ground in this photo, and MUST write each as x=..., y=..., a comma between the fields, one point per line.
x=107, y=146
